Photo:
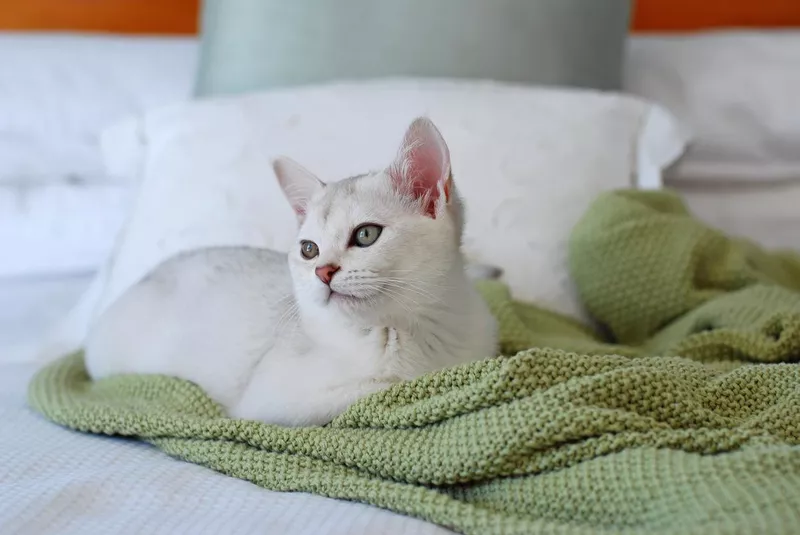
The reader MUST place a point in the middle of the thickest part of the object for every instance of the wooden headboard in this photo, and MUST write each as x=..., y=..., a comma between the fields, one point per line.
x=688, y=15
x=180, y=16
x=176, y=17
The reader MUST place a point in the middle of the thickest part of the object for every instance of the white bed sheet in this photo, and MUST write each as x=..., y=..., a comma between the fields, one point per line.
x=58, y=91
x=59, y=227
x=56, y=481
x=766, y=213
x=735, y=90
x=30, y=307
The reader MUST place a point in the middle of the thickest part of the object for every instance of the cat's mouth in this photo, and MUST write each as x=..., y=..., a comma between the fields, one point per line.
x=339, y=297
x=353, y=296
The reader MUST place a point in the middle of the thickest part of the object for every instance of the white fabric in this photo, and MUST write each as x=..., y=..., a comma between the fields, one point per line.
x=59, y=482
x=58, y=91
x=59, y=208
x=62, y=482
x=58, y=227
x=30, y=307
x=736, y=91
x=766, y=213
x=527, y=161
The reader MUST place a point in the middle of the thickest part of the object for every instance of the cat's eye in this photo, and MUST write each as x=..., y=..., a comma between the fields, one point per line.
x=365, y=235
x=309, y=249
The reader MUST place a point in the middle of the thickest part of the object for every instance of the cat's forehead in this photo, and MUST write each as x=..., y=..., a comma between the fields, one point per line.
x=364, y=198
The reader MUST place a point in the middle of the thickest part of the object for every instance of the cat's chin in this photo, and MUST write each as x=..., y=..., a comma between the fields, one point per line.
x=356, y=307
x=346, y=300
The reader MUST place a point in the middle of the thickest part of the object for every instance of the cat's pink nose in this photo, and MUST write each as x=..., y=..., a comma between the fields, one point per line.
x=326, y=272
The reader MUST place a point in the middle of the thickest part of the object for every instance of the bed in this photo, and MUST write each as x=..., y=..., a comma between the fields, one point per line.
x=59, y=218
x=56, y=481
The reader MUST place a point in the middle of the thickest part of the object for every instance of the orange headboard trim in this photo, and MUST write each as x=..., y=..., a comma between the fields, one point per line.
x=114, y=16
x=689, y=15
x=180, y=16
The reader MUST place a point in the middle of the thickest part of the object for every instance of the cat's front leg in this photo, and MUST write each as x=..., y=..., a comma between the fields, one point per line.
x=312, y=389
x=329, y=404
x=306, y=404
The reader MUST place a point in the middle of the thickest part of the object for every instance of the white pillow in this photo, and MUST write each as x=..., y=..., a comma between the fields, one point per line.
x=527, y=161
x=59, y=91
x=739, y=93
x=56, y=229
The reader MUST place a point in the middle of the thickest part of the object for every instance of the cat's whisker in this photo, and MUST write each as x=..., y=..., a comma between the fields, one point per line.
x=411, y=280
x=416, y=297
x=290, y=315
x=396, y=298
x=404, y=292
x=412, y=286
x=285, y=298
x=399, y=291
x=401, y=285
x=438, y=274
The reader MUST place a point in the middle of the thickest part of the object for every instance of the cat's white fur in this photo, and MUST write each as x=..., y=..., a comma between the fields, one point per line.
x=269, y=341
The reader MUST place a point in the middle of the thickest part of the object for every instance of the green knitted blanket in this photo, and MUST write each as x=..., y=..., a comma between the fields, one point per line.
x=682, y=417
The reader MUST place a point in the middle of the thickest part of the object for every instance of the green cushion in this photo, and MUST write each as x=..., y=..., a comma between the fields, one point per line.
x=255, y=44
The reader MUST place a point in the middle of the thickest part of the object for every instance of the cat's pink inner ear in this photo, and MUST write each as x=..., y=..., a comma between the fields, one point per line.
x=298, y=183
x=422, y=166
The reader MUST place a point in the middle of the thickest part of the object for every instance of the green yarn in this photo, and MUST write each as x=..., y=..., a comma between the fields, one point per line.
x=576, y=436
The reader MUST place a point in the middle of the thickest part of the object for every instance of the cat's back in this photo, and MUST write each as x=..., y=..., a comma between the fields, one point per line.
x=206, y=316
x=210, y=267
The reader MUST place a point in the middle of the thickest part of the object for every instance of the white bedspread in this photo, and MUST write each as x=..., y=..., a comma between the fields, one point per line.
x=58, y=91
x=30, y=307
x=53, y=229
x=56, y=481
x=62, y=482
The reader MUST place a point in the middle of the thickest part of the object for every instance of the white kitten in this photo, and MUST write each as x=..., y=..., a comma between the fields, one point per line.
x=375, y=292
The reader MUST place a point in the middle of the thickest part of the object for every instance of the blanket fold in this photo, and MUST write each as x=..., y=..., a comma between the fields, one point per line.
x=679, y=414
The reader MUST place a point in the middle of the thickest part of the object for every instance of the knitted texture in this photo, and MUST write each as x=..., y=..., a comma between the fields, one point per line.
x=576, y=436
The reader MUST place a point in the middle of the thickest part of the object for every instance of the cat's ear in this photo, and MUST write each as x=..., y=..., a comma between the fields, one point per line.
x=422, y=167
x=298, y=183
